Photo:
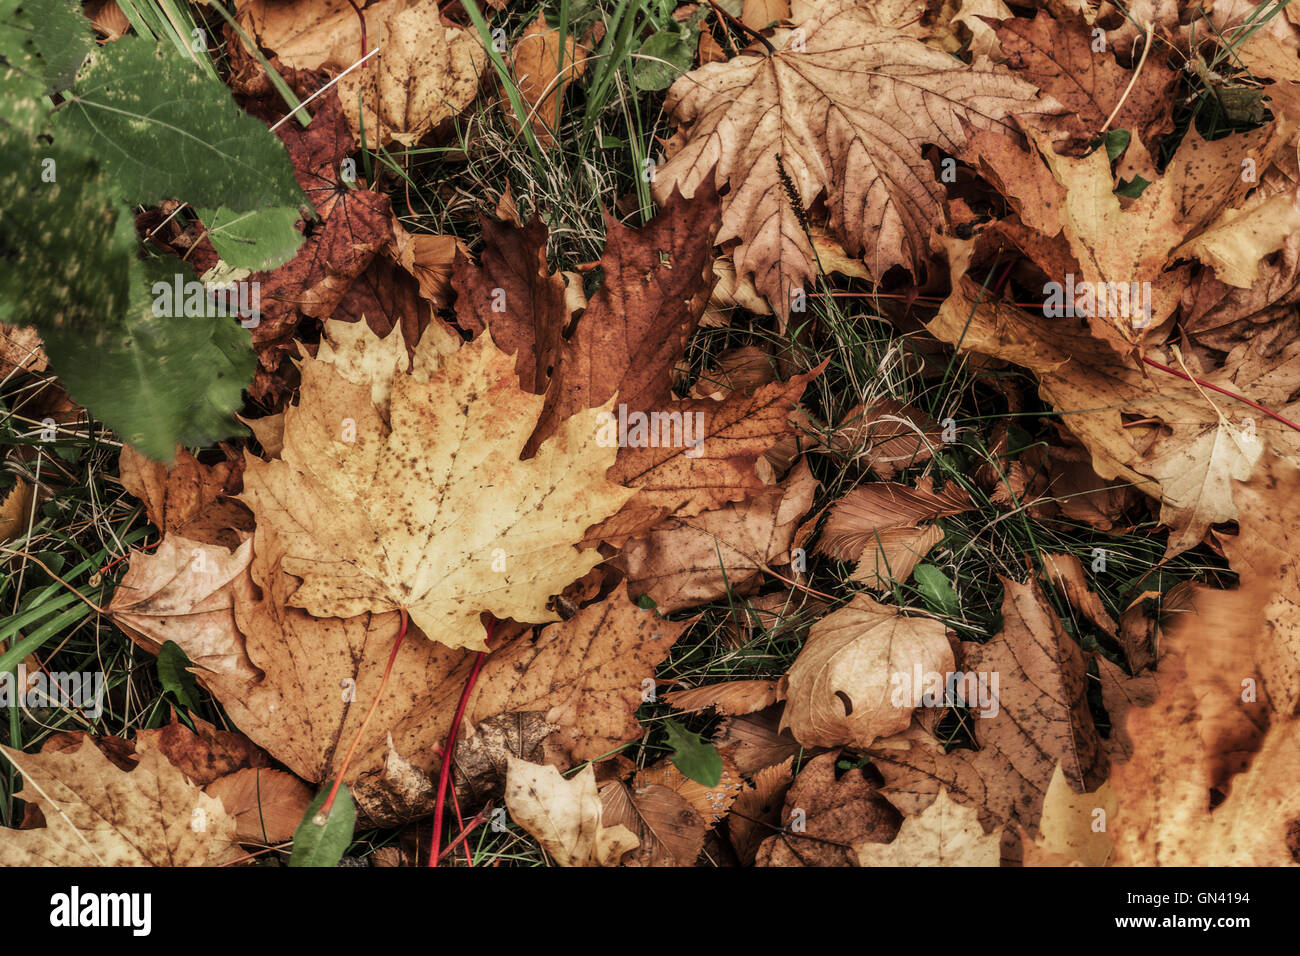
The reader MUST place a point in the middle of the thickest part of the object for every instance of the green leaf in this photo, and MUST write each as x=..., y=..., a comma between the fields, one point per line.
x=253, y=240
x=62, y=34
x=663, y=57
x=323, y=844
x=174, y=675
x=1116, y=141
x=936, y=589
x=1132, y=188
x=166, y=130
x=693, y=755
x=158, y=381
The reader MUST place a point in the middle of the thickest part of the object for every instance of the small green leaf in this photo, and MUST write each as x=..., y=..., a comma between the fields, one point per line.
x=646, y=603
x=1132, y=188
x=175, y=676
x=937, y=590
x=693, y=755
x=663, y=57
x=257, y=240
x=1116, y=141
x=324, y=843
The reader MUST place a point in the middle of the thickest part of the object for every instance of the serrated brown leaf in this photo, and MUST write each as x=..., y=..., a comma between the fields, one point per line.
x=757, y=812
x=669, y=828
x=846, y=116
x=1042, y=719
x=677, y=477
x=688, y=561
x=728, y=697
x=656, y=286
x=833, y=816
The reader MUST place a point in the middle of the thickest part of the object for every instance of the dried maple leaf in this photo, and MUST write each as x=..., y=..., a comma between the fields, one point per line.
x=843, y=688
x=857, y=520
x=528, y=315
x=300, y=685
x=1038, y=718
x=99, y=815
x=564, y=816
x=824, y=817
x=1057, y=56
x=698, y=455
x=424, y=73
x=636, y=325
x=1189, y=463
x=757, y=812
x=846, y=114
x=188, y=498
x=186, y=592
x=380, y=513
x=754, y=741
x=946, y=834
x=687, y=561
x=1066, y=573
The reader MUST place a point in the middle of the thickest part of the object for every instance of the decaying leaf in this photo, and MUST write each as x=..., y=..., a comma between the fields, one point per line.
x=856, y=679
x=565, y=816
x=847, y=114
x=380, y=512
x=98, y=815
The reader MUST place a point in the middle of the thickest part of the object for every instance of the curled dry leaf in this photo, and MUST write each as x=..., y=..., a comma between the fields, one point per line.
x=482, y=753
x=685, y=562
x=204, y=754
x=728, y=697
x=535, y=63
x=98, y=815
x=824, y=818
x=1066, y=572
x=853, y=682
x=565, y=816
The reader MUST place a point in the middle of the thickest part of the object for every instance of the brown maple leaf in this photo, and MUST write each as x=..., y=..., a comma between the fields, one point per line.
x=846, y=114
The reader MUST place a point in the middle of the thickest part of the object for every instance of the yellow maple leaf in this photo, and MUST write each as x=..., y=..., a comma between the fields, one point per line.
x=424, y=504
